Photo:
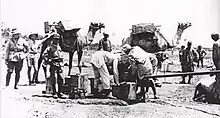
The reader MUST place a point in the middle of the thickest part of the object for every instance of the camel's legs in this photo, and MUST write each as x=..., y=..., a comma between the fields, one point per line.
x=44, y=46
x=80, y=52
x=70, y=61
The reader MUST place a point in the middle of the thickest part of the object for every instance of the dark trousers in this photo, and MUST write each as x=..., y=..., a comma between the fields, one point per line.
x=11, y=66
x=200, y=60
x=187, y=68
x=55, y=70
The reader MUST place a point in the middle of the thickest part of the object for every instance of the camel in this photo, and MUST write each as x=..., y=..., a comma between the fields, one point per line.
x=70, y=42
x=158, y=42
x=153, y=42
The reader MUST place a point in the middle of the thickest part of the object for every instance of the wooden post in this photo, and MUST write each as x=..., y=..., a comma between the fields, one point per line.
x=183, y=74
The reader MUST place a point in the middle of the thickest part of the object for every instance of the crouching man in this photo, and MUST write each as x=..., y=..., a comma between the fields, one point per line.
x=101, y=61
x=145, y=64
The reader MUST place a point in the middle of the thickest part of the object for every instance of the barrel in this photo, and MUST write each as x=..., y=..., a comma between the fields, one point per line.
x=125, y=92
x=79, y=81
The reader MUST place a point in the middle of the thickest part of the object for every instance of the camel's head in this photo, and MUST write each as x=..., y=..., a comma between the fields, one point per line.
x=183, y=26
x=92, y=30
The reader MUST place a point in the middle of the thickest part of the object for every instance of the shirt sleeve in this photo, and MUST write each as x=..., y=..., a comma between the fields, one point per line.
x=196, y=54
x=110, y=45
x=7, y=50
x=115, y=70
x=100, y=45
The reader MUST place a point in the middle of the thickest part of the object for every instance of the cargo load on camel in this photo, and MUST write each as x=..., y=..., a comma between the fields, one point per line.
x=148, y=37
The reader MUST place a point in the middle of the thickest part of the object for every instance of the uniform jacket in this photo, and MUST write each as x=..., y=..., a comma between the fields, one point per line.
x=105, y=45
x=16, y=51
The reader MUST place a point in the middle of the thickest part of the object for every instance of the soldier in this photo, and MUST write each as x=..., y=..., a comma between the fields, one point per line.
x=53, y=58
x=189, y=56
x=16, y=51
x=181, y=52
x=31, y=59
x=202, y=54
x=216, y=60
x=105, y=44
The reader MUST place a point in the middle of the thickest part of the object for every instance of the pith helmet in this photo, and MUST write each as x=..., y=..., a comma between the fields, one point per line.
x=33, y=34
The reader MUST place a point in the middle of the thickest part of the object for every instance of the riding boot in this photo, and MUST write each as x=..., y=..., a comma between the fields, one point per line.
x=17, y=77
x=54, y=89
x=8, y=77
x=183, y=81
x=29, y=75
x=189, y=79
x=59, y=90
x=155, y=93
x=34, y=76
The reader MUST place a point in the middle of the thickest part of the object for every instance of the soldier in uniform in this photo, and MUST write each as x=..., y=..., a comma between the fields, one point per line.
x=202, y=54
x=216, y=60
x=105, y=43
x=52, y=57
x=31, y=59
x=16, y=51
x=181, y=52
x=189, y=56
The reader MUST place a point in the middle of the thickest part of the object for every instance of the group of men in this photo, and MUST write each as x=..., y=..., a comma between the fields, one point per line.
x=19, y=49
x=105, y=64
x=187, y=57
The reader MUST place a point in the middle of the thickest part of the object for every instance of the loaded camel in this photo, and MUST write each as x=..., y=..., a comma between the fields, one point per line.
x=151, y=41
x=70, y=41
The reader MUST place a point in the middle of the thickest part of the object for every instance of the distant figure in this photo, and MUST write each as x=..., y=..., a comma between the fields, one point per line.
x=16, y=52
x=105, y=44
x=216, y=60
x=189, y=56
x=202, y=54
x=181, y=52
x=31, y=58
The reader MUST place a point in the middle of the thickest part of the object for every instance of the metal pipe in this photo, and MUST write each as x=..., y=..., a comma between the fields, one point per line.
x=183, y=74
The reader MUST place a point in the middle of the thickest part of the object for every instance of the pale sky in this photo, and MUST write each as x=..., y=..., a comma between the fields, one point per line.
x=118, y=16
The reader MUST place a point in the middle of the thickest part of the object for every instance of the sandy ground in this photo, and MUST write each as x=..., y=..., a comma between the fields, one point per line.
x=175, y=100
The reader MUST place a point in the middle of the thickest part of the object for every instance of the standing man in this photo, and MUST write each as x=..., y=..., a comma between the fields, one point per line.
x=202, y=54
x=181, y=52
x=16, y=51
x=53, y=58
x=31, y=59
x=216, y=60
x=189, y=56
x=105, y=44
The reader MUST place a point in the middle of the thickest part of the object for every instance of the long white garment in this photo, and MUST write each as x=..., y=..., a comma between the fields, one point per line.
x=99, y=58
x=146, y=61
x=98, y=61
